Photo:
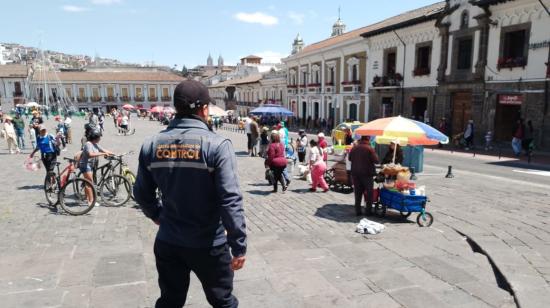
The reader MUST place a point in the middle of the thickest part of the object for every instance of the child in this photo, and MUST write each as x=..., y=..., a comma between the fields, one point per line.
x=32, y=136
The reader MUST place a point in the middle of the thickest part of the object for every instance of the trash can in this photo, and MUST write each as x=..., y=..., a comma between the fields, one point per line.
x=413, y=157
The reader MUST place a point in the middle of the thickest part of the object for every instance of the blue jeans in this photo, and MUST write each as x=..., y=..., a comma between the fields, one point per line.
x=20, y=138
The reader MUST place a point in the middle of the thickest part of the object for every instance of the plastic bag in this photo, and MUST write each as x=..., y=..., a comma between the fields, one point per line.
x=32, y=164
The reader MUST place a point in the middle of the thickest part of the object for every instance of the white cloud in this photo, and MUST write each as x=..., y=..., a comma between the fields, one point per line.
x=105, y=2
x=74, y=8
x=270, y=56
x=257, y=18
x=297, y=18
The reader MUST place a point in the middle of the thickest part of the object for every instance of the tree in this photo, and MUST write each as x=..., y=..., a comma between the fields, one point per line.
x=184, y=71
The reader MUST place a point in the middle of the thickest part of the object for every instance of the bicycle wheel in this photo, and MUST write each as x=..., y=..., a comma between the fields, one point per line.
x=73, y=199
x=51, y=190
x=115, y=190
x=129, y=175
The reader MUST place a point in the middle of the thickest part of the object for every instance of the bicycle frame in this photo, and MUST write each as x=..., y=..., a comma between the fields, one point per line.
x=63, y=177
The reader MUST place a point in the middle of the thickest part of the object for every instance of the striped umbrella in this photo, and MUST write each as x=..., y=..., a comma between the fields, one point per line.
x=402, y=131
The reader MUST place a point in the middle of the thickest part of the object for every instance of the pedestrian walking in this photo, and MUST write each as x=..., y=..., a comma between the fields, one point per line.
x=528, y=137
x=301, y=146
x=443, y=128
x=518, y=137
x=19, y=126
x=317, y=166
x=36, y=121
x=248, y=133
x=68, y=131
x=469, y=134
x=323, y=144
x=45, y=143
x=276, y=160
x=254, y=135
x=32, y=136
x=195, y=170
x=264, y=141
x=9, y=134
x=363, y=160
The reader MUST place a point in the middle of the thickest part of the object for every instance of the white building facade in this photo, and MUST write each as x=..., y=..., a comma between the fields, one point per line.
x=14, y=86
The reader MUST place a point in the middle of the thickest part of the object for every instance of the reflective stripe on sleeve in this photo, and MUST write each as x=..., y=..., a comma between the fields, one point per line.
x=180, y=164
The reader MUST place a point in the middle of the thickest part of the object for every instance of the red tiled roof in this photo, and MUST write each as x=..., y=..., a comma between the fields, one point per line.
x=109, y=76
x=248, y=79
x=14, y=70
x=423, y=11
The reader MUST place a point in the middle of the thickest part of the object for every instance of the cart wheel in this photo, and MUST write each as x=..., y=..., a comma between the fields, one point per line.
x=329, y=176
x=380, y=210
x=425, y=220
x=405, y=214
x=346, y=189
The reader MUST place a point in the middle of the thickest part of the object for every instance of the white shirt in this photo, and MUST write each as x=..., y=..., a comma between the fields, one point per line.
x=124, y=120
x=315, y=155
x=247, y=126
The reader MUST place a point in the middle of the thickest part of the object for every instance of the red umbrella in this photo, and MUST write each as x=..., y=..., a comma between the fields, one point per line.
x=156, y=109
x=128, y=107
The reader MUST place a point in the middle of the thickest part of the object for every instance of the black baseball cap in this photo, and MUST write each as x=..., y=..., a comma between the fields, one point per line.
x=190, y=95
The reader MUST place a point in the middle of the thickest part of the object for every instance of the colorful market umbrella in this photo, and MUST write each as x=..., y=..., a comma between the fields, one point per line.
x=168, y=110
x=270, y=109
x=402, y=131
x=156, y=109
x=128, y=107
x=216, y=111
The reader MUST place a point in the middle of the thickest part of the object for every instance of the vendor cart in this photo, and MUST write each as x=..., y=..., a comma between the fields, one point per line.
x=337, y=177
x=405, y=205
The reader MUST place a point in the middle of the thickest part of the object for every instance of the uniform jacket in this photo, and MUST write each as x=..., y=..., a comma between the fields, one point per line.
x=363, y=158
x=195, y=170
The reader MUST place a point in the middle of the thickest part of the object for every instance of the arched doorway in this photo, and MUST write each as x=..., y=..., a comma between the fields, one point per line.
x=316, y=110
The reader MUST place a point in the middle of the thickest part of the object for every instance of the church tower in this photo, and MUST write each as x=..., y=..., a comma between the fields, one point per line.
x=298, y=44
x=339, y=27
x=209, y=61
x=220, y=61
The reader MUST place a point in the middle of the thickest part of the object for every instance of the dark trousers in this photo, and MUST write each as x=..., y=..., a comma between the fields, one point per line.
x=301, y=157
x=278, y=176
x=362, y=184
x=249, y=141
x=211, y=265
x=49, y=160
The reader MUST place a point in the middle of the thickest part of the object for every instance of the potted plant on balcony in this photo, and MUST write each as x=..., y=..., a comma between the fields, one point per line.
x=377, y=81
x=421, y=71
x=509, y=62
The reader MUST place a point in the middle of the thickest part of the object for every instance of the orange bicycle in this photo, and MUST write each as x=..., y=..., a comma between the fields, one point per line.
x=76, y=196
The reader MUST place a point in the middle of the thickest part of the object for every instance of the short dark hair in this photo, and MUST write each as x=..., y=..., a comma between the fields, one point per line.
x=313, y=143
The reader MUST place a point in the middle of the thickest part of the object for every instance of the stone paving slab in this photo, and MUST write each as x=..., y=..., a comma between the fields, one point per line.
x=303, y=249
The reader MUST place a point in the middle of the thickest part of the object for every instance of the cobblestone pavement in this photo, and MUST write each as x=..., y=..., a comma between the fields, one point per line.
x=303, y=251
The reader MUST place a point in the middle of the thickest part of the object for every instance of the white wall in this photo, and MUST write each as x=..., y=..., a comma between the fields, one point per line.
x=425, y=32
x=513, y=13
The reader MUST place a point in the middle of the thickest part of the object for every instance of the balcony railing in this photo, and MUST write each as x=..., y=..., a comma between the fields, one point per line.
x=349, y=83
x=139, y=99
x=82, y=99
x=329, y=84
x=96, y=99
x=387, y=81
x=166, y=98
x=111, y=98
x=511, y=62
x=17, y=94
x=292, y=86
x=125, y=98
x=421, y=71
x=153, y=98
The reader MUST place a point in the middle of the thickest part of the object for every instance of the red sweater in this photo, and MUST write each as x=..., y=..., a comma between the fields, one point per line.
x=276, y=155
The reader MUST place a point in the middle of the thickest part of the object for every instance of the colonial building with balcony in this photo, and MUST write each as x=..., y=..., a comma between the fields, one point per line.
x=494, y=67
x=105, y=89
x=327, y=79
x=239, y=94
x=13, y=85
x=403, y=56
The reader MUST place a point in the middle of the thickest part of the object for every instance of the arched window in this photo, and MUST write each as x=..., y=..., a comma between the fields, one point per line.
x=464, y=20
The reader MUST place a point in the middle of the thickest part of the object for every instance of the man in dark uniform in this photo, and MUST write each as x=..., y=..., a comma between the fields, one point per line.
x=195, y=170
x=363, y=160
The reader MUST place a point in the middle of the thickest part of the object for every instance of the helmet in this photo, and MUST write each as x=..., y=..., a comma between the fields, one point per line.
x=94, y=134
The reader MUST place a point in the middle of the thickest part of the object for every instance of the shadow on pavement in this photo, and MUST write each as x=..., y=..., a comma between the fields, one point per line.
x=521, y=164
x=346, y=213
x=242, y=154
x=300, y=190
x=30, y=187
x=259, y=192
x=260, y=184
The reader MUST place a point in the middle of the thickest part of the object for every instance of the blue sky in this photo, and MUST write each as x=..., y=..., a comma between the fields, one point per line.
x=184, y=32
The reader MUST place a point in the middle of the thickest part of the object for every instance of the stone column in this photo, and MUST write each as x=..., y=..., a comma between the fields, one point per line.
x=484, y=25
x=444, y=32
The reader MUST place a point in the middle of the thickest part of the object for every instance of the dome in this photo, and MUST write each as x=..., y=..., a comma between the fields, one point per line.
x=338, y=23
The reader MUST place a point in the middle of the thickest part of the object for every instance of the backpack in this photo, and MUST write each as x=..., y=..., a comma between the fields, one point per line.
x=55, y=145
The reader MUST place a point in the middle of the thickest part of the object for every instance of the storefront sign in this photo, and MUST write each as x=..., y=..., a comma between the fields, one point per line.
x=510, y=99
x=538, y=45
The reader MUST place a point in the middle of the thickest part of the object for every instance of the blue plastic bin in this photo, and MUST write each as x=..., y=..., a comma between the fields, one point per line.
x=413, y=157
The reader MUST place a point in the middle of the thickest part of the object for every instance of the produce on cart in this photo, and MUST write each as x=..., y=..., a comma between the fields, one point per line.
x=398, y=192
